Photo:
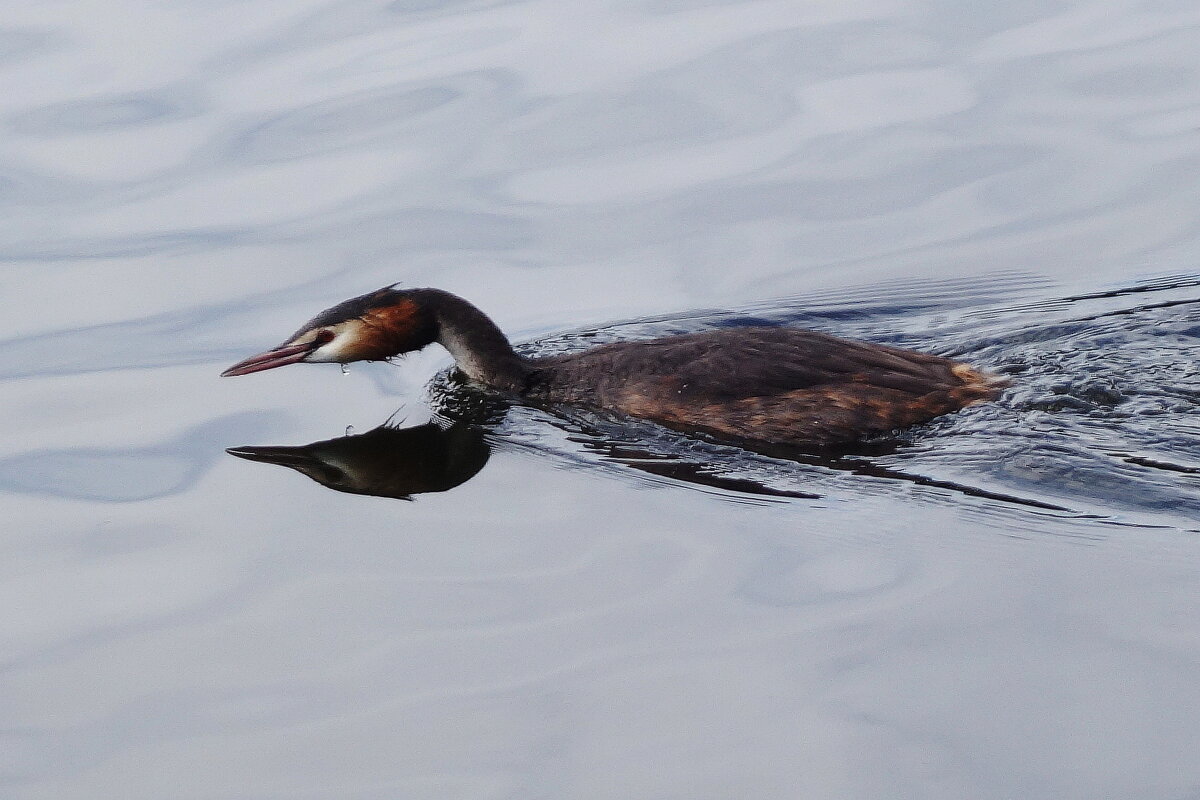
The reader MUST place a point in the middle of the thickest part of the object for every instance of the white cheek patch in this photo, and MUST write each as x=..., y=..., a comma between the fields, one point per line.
x=340, y=349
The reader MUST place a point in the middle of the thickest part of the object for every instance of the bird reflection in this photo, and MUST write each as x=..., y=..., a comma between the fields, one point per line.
x=441, y=455
x=386, y=461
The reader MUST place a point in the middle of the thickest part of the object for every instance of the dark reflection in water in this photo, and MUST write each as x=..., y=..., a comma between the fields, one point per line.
x=441, y=455
x=751, y=467
x=401, y=462
x=386, y=461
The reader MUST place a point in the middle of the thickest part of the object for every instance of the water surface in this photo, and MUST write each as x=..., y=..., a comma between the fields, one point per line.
x=997, y=604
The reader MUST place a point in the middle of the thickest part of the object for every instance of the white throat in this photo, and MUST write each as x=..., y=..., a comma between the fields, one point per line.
x=466, y=359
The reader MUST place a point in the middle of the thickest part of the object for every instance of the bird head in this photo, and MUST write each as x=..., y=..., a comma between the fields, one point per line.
x=373, y=327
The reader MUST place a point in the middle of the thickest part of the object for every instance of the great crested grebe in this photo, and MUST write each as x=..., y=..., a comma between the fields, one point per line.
x=776, y=385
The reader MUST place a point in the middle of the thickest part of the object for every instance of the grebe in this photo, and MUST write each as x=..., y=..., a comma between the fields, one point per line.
x=775, y=385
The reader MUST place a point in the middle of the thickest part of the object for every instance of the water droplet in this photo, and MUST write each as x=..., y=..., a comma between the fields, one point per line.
x=345, y=369
x=349, y=430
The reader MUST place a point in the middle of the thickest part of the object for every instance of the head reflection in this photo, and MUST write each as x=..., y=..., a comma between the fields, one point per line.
x=386, y=461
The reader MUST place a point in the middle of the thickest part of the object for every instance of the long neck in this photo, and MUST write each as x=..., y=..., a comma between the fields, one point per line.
x=479, y=348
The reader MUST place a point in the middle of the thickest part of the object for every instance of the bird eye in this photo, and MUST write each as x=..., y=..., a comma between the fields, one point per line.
x=323, y=337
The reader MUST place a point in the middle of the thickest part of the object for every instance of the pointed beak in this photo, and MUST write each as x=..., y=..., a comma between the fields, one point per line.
x=279, y=357
x=301, y=459
x=296, y=457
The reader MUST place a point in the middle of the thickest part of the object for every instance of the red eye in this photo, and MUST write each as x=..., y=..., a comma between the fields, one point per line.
x=323, y=338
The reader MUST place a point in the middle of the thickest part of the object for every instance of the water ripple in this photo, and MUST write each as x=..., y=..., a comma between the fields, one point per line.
x=104, y=113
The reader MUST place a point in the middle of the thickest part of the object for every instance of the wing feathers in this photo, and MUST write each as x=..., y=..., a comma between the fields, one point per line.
x=774, y=384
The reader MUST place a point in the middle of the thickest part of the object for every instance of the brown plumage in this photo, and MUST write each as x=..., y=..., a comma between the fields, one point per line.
x=778, y=385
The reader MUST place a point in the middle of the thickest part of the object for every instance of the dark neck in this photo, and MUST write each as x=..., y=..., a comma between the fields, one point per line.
x=479, y=348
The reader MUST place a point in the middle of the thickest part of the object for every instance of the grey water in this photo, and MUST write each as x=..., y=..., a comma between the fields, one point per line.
x=439, y=596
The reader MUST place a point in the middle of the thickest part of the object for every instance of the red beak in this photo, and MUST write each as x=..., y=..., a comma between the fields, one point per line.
x=279, y=357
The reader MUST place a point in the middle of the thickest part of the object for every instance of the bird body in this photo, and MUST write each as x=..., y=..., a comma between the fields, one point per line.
x=770, y=384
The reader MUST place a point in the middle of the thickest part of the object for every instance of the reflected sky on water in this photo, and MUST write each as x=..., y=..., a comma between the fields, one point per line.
x=994, y=605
